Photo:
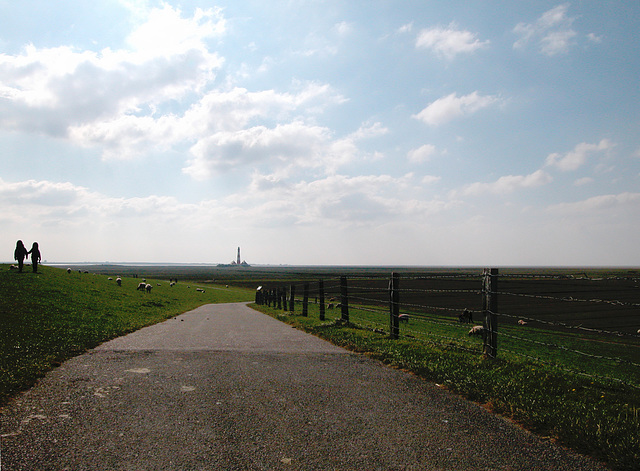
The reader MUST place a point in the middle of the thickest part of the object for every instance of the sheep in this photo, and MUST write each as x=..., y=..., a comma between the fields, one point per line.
x=521, y=322
x=330, y=306
x=199, y=290
x=68, y=270
x=172, y=284
x=119, y=281
x=141, y=287
x=638, y=332
x=110, y=279
x=148, y=287
x=403, y=318
x=13, y=267
x=476, y=330
x=466, y=317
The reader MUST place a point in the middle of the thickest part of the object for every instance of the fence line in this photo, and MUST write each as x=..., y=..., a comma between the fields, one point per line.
x=400, y=296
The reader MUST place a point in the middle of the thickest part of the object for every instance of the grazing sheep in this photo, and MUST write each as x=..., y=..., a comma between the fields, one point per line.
x=403, y=318
x=68, y=270
x=521, y=322
x=119, y=281
x=466, y=317
x=13, y=267
x=141, y=287
x=638, y=331
x=330, y=306
x=110, y=279
x=476, y=330
x=172, y=284
x=199, y=290
x=148, y=287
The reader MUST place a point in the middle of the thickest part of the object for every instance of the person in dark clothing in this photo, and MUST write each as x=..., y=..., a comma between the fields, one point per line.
x=20, y=254
x=35, y=257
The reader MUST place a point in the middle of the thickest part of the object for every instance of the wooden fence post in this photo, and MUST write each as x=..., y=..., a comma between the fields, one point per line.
x=344, y=299
x=394, y=306
x=490, y=310
x=321, y=297
x=292, y=298
x=305, y=300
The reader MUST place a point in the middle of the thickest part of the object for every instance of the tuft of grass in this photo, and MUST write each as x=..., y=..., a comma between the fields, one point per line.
x=593, y=417
x=48, y=317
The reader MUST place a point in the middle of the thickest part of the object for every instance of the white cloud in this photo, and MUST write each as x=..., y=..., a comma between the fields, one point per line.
x=607, y=204
x=508, y=184
x=343, y=28
x=52, y=90
x=406, y=28
x=283, y=145
x=578, y=156
x=451, y=107
x=429, y=179
x=583, y=181
x=338, y=198
x=166, y=33
x=449, y=42
x=552, y=32
x=422, y=153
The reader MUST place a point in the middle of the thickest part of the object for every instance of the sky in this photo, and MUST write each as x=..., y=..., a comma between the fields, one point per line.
x=322, y=132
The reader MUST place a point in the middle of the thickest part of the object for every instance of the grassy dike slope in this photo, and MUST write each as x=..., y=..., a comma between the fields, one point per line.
x=592, y=418
x=48, y=317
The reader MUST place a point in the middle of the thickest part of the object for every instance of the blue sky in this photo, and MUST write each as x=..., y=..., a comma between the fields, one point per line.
x=488, y=133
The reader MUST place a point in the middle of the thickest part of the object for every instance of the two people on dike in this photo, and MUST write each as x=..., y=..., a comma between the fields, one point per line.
x=21, y=253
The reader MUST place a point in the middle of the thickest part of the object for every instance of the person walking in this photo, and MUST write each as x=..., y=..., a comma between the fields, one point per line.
x=35, y=256
x=20, y=254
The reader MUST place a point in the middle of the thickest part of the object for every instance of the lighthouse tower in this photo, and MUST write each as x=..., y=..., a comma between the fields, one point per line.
x=238, y=262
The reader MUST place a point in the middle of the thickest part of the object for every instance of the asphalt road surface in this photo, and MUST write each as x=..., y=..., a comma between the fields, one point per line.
x=224, y=387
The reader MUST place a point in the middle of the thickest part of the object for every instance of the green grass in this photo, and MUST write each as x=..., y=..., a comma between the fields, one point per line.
x=554, y=397
x=51, y=316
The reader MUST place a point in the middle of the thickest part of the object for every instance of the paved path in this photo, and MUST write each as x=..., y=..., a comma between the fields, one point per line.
x=224, y=387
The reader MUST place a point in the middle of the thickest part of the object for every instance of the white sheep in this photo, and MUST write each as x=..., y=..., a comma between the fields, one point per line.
x=148, y=287
x=638, y=331
x=110, y=279
x=199, y=290
x=476, y=330
x=521, y=322
x=119, y=281
x=141, y=286
x=403, y=318
x=68, y=270
x=172, y=284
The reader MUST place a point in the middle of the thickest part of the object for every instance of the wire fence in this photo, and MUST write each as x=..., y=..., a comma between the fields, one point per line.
x=589, y=326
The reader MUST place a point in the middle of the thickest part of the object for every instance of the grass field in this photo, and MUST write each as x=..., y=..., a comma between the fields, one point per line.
x=48, y=317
